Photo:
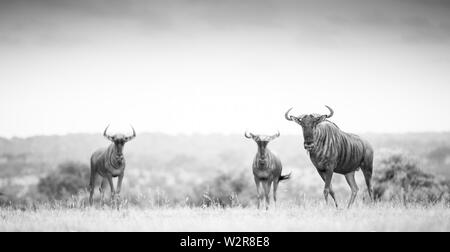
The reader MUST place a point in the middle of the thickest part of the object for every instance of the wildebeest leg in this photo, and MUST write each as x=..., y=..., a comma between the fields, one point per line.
x=367, y=171
x=275, y=187
x=258, y=193
x=119, y=184
x=328, y=175
x=322, y=175
x=111, y=185
x=102, y=189
x=92, y=186
x=350, y=177
x=266, y=187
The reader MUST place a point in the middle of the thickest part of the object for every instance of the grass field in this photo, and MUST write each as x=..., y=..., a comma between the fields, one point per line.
x=308, y=217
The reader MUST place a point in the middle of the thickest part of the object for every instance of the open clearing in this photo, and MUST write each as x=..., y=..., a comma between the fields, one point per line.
x=316, y=217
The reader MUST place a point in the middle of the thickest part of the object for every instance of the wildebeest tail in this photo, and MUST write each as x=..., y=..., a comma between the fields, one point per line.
x=285, y=177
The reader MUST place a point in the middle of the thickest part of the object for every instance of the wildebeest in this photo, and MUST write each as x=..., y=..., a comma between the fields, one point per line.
x=266, y=168
x=108, y=163
x=332, y=150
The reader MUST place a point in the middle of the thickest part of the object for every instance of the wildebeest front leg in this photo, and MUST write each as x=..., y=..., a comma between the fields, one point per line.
x=119, y=184
x=331, y=191
x=350, y=177
x=102, y=190
x=328, y=175
x=111, y=185
x=275, y=187
x=258, y=193
x=266, y=187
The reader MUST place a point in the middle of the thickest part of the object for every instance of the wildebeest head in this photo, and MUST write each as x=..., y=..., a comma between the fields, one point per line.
x=119, y=140
x=309, y=124
x=261, y=141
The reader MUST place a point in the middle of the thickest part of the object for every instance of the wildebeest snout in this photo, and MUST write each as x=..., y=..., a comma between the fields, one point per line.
x=308, y=145
x=262, y=161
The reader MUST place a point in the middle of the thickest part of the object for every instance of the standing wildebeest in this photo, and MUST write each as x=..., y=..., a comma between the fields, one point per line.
x=332, y=150
x=266, y=168
x=109, y=163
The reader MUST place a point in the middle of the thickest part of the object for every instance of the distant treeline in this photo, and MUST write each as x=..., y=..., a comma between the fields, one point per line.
x=152, y=150
x=215, y=169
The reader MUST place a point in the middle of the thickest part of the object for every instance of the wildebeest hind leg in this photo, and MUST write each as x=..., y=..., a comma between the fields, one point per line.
x=350, y=177
x=367, y=171
x=92, y=186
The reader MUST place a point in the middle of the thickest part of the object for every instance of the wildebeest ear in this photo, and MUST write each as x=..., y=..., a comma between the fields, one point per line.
x=297, y=120
x=275, y=136
x=249, y=135
x=320, y=119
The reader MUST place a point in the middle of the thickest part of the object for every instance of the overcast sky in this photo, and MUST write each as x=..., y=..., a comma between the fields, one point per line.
x=210, y=66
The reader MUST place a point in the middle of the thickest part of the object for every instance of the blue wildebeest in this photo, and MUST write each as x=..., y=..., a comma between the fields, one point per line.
x=334, y=151
x=108, y=163
x=266, y=168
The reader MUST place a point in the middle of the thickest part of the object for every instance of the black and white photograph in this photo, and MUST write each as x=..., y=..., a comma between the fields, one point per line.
x=233, y=116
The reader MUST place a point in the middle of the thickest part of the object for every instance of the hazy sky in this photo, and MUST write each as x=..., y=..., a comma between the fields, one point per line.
x=203, y=66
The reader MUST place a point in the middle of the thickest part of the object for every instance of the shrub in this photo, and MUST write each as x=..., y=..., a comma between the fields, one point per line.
x=68, y=179
x=439, y=154
x=227, y=189
x=398, y=177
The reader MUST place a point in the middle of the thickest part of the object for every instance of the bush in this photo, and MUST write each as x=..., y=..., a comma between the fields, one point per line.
x=227, y=189
x=69, y=179
x=399, y=178
x=439, y=154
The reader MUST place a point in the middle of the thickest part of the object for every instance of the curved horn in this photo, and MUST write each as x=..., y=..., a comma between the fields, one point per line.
x=287, y=116
x=248, y=135
x=106, y=135
x=331, y=112
x=131, y=137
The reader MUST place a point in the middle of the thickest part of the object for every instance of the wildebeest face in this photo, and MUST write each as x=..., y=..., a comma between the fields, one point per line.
x=308, y=124
x=262, y=141
x=119, y=141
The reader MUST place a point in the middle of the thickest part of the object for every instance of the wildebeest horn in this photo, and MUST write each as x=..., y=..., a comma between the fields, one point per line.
x=287, y=116
x=248, y=135
x=133, y=136
x=331, y=112
x=106, y=135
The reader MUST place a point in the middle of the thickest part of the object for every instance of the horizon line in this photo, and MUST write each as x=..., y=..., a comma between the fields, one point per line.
x=208, y=134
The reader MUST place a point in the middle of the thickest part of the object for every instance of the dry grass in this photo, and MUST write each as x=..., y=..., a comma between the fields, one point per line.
x=312, y=216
